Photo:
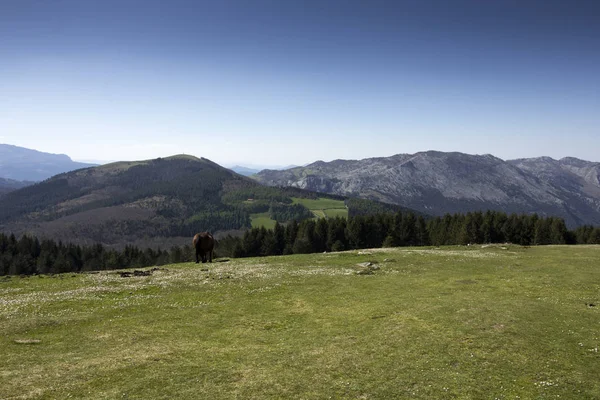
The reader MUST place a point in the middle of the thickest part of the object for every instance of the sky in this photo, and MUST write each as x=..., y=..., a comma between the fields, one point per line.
x=291, y=82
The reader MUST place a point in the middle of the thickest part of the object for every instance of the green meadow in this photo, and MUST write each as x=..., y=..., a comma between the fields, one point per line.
x=478, y=322
x=262, y=219
x=321, y=208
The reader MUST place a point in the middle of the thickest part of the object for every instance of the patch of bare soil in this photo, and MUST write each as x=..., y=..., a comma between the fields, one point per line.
x=138, y=272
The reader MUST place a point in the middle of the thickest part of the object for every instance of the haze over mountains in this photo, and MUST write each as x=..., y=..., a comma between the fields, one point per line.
x=437, y=183
x=22, y=164
x=153, y=203
x=8, y=185
x=430, y=182
x=253, y=169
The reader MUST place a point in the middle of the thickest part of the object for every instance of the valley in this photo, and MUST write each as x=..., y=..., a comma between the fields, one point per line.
x=159, y=203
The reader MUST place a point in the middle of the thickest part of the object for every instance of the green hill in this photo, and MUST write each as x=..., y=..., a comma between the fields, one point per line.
x=422, y=323
x=156, y=203
x=126, y=201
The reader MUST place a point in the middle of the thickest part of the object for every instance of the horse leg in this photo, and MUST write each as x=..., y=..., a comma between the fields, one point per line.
x=197, y=259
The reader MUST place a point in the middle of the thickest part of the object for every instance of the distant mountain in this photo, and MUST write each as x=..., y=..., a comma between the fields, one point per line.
x=8, y=185
x=247, y=171
x=152, y=203
x=570, y=175
x=21, y=164
x=436, y=183
x=243, y=170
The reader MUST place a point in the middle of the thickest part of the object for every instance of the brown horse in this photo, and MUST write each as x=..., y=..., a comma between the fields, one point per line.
x=204, y=244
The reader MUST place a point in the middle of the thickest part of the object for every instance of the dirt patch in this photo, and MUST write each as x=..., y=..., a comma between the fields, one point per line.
x=138, y=272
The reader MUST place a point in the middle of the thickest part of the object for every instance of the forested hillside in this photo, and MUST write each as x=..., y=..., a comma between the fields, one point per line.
x=162, y=197
x=9, y=185
x=156, y=203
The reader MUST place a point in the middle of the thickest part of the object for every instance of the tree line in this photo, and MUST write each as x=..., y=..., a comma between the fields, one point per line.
x=28, y=255
x=405, y=229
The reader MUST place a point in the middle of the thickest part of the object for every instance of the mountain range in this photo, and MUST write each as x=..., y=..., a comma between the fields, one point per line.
x=244, y=170
x=22, y=164
x=163, y=201
x=437, y=183
x=154, y=203
x=251, y=170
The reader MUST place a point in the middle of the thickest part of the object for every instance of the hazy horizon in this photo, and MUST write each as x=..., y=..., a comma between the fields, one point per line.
x=254, y=165
x=280, y=83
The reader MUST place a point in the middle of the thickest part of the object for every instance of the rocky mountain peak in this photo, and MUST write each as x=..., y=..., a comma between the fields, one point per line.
x=438, y=182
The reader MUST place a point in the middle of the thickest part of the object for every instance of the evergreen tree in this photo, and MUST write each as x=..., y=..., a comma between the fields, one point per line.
x=558, y=231
x=512, y=229
x=336, y=234
x=268, y=247
x=487, y=228
x=305, y=240
x=542, y=232
x=393, y=238
x=421, y=232
x=291, y=231
x=594, y=237
x=356, y=232
x=528, y=229
x=279, y=239
x=320, y=236
x=499, y=222
x=408, y=235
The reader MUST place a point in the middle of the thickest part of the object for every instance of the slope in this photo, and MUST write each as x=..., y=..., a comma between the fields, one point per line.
x=152, y=203
x=8, y=185
x=126, y=201
x=437, y=183
x=465, y=323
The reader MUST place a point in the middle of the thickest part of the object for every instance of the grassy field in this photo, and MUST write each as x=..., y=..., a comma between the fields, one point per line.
x=451, y=323
x=336, y=212
x=322, y=207
x=262, y=219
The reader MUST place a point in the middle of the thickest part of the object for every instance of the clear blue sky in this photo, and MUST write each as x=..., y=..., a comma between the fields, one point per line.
x=282, y=82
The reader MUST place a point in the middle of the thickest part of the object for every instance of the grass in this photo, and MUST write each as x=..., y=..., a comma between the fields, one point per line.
x=318, y=213
x=320, y=203
x=323, y=207
x=336, y=212
x=262, y=219
x=119, y=166
x=456, y=322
